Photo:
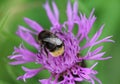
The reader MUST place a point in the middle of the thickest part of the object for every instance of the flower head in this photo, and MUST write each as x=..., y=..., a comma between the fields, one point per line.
x=69, y=67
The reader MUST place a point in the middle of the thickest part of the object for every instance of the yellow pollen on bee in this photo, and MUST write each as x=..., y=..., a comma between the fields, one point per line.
x=58, y=52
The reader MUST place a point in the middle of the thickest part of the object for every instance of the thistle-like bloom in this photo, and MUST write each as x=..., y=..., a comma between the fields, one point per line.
x=69, y=67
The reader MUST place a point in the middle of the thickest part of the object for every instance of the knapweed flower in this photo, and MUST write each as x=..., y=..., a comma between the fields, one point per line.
x=69, y=67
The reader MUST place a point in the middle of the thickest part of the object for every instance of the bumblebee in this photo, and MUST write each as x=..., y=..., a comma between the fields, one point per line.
x=50, y=42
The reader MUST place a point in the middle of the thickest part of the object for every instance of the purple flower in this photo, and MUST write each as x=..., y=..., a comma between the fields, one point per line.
x=69, y=67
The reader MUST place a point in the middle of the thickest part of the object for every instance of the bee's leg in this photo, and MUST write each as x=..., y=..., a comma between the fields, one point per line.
x=58, y=33
x=46, y=52
x=41, y=47
x=43, y=50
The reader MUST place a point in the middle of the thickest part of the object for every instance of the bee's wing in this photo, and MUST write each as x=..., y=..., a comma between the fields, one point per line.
x=55, y=41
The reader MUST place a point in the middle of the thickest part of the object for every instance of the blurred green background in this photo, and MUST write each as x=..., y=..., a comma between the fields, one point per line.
x=12, y=13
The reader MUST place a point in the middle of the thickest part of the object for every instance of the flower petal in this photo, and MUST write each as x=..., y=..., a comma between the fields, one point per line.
x=56, y=11
x=69, y=11
x=46, y=81
x=22, y=55
x=18, y=62
x=38, y=28
x=93, y=57
x=27, y=36
x=95, y=78
x=75, y=10
x=84, y=25
x=97, y=35
x=53, y=17
x=29, y=73
x=97, y=50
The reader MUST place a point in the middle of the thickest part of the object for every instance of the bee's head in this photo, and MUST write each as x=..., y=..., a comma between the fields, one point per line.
x=44, y=34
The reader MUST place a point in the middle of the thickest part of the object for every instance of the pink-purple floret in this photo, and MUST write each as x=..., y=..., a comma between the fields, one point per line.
x=67, y=65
